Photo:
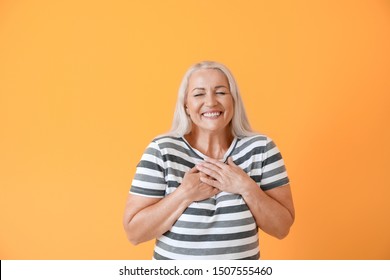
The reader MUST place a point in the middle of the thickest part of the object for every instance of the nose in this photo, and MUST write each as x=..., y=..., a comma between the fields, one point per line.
x=210, y=99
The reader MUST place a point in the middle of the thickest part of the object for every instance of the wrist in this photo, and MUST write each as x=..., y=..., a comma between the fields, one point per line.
x=250, y=190
x=181, y=195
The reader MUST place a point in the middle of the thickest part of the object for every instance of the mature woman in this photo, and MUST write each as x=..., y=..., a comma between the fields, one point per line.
x=203, y=190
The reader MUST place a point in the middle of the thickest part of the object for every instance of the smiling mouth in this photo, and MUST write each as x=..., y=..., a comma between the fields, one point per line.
x=212, y=114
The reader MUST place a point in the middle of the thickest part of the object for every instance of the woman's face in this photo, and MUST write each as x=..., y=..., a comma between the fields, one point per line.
x=209, y=102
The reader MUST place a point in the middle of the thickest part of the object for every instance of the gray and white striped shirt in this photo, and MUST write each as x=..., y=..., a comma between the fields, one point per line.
x=221, y=227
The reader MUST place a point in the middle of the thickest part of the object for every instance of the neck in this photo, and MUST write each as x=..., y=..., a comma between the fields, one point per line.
x=211, y=144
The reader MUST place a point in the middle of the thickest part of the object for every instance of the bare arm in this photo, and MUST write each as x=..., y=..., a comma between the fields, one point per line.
x=148, y=218
x=273, y=210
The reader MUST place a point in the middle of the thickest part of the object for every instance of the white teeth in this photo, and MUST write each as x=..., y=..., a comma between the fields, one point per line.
x=213, y=114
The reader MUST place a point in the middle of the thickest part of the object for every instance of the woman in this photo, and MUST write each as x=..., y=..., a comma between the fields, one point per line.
x=205, y=188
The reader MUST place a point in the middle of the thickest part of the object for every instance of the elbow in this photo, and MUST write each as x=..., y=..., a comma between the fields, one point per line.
x=133, y=241
x=131, y=235
x=279, y=233
x=283, y=231
x=282, y=234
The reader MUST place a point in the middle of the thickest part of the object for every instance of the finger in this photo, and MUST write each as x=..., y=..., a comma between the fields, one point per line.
x=231, y=162
x=210, y=166
x=216, y=191
x=210, y=182
x=216, y=162
x=210, y=170
x=193, y=170
x=204, y=175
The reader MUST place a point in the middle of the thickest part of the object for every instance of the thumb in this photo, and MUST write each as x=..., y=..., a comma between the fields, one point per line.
x=193, y=170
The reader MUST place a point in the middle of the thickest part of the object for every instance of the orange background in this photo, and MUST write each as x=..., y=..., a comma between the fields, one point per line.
x=85, y=85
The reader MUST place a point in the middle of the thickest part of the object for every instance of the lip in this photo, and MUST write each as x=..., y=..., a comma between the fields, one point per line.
x=211, y=112
x=212, y=115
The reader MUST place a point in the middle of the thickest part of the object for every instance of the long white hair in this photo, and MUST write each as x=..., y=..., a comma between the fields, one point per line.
x=182, y=123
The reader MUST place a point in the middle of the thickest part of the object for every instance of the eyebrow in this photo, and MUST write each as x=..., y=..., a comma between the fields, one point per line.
x=200, y=88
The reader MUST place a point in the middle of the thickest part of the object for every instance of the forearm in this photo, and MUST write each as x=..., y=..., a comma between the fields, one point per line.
x=155, y=220
x=270, y=215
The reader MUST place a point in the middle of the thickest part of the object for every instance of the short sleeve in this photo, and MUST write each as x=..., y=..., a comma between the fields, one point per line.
x=149, y=179
x=274, y=172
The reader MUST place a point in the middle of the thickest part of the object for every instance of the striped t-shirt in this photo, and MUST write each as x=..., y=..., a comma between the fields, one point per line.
x=221, y=227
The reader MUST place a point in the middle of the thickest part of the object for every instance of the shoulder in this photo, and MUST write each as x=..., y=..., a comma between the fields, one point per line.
x=257, y=140
x=259, y=145
x=166, y=141
x=168, y=145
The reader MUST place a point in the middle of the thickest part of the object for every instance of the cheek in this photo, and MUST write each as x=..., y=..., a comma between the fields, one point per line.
x=192, y=105
x=229, y=105
x=231, y=109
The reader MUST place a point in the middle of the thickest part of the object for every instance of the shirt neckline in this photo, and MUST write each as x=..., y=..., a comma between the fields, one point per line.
x=202, y=156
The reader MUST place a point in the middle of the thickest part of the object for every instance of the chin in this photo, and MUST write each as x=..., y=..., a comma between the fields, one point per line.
x=214, y=129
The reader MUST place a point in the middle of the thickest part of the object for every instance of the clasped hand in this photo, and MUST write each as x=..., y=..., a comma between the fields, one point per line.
x=225, y=177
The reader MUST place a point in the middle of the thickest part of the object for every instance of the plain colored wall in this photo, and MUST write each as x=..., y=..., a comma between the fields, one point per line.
x=85, y=85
